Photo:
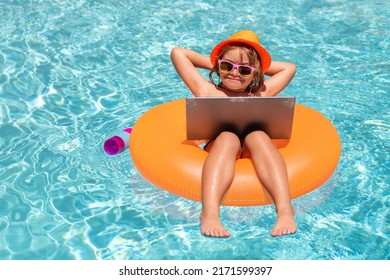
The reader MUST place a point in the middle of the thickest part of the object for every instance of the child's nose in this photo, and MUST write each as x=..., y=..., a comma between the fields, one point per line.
x=235, y=71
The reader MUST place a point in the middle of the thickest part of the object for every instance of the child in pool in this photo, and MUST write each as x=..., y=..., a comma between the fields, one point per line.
x=240, y=63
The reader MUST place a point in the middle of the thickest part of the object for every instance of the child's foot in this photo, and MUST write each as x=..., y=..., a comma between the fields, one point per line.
x=285, y=223
x=211, y=226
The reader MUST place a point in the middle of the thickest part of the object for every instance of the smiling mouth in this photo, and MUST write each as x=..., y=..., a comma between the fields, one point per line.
x=235, y=79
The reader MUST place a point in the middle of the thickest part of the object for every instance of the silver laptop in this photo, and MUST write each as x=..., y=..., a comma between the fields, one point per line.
x=207, y=117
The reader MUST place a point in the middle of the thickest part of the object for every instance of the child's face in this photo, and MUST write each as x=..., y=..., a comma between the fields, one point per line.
x=233, y=80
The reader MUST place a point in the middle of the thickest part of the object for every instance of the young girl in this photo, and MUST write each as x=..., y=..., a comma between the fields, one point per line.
x=240, y=64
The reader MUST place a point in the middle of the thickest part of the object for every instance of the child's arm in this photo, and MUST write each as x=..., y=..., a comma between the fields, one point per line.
x=281, y=74
x=185, y=62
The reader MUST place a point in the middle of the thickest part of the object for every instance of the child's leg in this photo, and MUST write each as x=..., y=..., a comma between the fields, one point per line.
x=217, y=176
x=272, y=171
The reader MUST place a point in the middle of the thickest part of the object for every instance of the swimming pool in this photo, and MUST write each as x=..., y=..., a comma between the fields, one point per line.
x=73, y=73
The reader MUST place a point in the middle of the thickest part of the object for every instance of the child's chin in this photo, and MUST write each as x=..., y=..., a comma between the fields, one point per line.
x=235, y=85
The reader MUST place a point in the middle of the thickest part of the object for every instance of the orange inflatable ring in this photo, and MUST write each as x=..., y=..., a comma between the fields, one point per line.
x=165, y=158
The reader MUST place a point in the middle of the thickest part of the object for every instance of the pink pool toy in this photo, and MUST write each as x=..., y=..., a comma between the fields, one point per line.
x=118, y=143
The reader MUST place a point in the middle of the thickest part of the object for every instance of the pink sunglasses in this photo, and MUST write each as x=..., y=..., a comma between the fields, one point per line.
x=227, y=67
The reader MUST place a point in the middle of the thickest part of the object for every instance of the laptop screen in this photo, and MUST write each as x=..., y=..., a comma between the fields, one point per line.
x=207, y=117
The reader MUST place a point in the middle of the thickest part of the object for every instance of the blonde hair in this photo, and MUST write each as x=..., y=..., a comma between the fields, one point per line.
x=254, y=60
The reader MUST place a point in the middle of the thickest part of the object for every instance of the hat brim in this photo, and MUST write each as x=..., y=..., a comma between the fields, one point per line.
x=263, y=53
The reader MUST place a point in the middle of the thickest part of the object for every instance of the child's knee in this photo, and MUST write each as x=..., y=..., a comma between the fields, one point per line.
x=257, y=137
x=228, y=139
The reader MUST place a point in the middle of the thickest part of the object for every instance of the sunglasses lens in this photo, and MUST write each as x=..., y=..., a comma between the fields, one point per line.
x=225, y=66
x=245, y=71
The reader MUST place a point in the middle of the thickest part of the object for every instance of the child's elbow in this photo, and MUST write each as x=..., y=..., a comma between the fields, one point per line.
x=173, y=51
x=291, y=68
x=176, y=51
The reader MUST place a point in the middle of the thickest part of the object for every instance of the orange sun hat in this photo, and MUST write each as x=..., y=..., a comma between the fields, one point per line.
x=243, y=37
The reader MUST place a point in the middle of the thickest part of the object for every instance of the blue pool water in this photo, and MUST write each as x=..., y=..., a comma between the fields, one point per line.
x=73, y=73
